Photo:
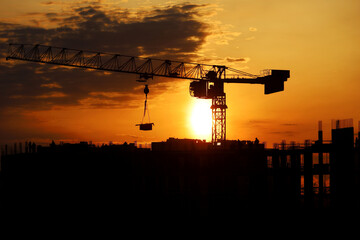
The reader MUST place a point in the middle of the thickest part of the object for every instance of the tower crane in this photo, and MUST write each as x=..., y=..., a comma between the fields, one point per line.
x=207, y=81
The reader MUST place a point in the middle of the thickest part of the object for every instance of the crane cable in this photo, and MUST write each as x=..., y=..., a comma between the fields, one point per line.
x=146, y=91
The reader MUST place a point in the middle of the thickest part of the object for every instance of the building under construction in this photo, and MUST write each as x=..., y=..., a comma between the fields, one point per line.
x=185, y=176
x=320, y=174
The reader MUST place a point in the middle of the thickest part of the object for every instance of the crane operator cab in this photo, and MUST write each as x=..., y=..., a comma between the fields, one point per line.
x=145, y=126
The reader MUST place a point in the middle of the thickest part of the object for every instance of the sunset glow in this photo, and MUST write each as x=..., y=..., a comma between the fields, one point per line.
x=57, y=102
x=201, y=119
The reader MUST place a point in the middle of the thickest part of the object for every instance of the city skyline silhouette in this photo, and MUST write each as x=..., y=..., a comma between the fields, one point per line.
x=184, y=177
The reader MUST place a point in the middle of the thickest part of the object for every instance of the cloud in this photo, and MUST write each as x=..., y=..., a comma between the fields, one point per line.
x=290, y=124
x=222, y=34
x=259, y=121
x=174, y=32
x=252, y=29
x=243, y=60
x=111, y=100
x=284, y=133
x=50, y=85
x=268, y=125
x=49, y=3
x=52, y=95
x=250, y=38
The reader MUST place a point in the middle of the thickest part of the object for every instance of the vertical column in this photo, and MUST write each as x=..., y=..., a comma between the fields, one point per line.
x=1, y=156
x=26, y=147
x=320, y=133
x=342, y=164
x=357, y=143
x=308, y=179
x=321, y=166
x=296, y=175
x=277, y=179
x=218, y=108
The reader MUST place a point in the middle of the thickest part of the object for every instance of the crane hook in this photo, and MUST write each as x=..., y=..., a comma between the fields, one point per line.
x=146, y=90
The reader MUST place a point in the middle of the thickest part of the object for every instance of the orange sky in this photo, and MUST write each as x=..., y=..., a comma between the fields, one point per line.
x=316, y=40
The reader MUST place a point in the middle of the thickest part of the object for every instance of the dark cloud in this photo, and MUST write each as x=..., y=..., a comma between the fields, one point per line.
x=267, y=126
x=48, y=3
x=285, y=133
x=174, y=32
x=290, y=124
x=244, y=60
x=51, y=15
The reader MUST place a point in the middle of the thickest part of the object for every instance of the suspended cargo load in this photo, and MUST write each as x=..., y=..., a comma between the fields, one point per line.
x=145, y=126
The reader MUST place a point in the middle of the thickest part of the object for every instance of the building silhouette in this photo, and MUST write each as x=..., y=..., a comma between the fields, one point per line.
x=185, y=176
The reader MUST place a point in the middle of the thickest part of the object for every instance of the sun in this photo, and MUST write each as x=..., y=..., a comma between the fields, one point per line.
x=201, y=119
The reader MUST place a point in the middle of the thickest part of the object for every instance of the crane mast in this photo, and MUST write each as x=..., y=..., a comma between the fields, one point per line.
x=207, y=80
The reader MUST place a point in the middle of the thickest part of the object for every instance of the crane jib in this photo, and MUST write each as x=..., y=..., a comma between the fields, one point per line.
x=119, y=63
x=208, y=80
